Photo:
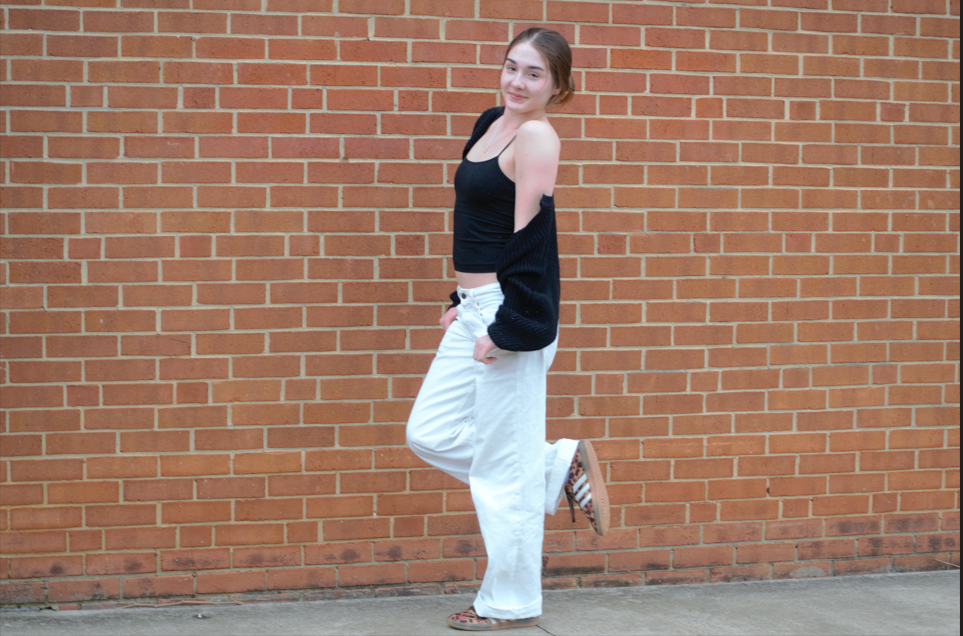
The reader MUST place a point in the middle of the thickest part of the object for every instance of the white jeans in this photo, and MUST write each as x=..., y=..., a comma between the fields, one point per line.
x=485, y=425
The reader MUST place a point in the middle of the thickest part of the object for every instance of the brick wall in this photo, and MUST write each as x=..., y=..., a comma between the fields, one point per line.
x=226, y=246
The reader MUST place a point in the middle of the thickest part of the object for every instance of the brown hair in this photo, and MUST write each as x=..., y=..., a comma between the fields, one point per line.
x=557, y=53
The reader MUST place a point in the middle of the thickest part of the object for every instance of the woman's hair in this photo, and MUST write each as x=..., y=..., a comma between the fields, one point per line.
x=557, y=53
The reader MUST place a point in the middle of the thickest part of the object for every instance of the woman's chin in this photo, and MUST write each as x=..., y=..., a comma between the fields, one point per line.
x=521, y=106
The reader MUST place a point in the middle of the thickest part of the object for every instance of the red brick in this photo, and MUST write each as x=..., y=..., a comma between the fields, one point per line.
x=196, y=559
x=84, y=590
x=301, y=578
x=127, y=563
x=737, y=488
x=84, y=492
x=120, y=515
x=158, y=586
x=33, y=542
x=34, y=567
x=751, y=509
x=927, y=500
x=228, y=582
x=45, y=518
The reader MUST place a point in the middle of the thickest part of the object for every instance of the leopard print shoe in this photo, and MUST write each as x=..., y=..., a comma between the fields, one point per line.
x=470, y=621
x=586, y=487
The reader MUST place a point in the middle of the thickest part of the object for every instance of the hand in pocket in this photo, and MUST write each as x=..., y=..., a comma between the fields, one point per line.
x=448, y=318
x=484, y=346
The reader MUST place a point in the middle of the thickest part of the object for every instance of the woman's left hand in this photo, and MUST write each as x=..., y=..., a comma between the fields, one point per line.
x=484, y=346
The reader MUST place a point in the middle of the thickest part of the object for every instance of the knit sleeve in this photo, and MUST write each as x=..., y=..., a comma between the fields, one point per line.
x=528, y=272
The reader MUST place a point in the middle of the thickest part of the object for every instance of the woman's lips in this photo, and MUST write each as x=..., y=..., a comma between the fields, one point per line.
x=516, y=96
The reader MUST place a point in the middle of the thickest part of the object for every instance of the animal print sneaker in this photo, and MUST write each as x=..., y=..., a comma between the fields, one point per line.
x=586, y=487
x=469, y=620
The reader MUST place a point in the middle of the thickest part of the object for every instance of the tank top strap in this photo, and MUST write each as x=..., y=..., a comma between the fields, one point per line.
x=506, y=147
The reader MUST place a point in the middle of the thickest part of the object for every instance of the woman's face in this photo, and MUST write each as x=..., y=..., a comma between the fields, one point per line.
x=526, y=82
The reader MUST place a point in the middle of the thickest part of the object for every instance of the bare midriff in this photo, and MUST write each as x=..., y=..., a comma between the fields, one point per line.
x=468, y=280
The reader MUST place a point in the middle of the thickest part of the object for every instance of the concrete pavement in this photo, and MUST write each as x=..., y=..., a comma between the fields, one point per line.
x=917, y=604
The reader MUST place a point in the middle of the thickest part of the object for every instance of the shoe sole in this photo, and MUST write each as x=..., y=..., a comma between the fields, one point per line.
x=504, y=624
x=597, y=485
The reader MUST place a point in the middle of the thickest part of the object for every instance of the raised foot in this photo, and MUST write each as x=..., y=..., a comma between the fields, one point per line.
x=586, y=487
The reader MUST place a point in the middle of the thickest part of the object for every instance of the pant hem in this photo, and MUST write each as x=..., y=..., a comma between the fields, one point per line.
x=529, y=611
x=559, y=474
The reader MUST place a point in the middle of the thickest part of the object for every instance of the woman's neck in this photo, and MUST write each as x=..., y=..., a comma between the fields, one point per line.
x=514, y=120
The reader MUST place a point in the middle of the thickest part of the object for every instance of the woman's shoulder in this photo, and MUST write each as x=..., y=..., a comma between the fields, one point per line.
x=538, y=128
x=539, y=133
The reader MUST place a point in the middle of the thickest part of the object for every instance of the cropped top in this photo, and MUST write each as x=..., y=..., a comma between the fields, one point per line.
x=528, y=271
x=484, y=213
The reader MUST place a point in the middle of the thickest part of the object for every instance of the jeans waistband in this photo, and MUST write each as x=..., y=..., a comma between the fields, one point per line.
x=481, y=295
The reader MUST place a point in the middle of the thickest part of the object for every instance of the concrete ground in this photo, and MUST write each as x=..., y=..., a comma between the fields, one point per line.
x=917, y=604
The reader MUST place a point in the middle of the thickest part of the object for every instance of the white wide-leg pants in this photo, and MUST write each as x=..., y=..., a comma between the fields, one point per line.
x=485, y=425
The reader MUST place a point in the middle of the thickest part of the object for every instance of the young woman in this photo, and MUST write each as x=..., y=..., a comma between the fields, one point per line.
x=480, y=414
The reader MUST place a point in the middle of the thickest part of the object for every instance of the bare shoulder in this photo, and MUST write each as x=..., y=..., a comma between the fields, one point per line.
x=539, y=136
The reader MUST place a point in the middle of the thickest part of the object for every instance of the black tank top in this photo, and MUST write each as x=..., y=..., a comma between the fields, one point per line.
x=484, y=214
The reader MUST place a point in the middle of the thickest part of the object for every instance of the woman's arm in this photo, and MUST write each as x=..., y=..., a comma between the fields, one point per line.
x=536, y=167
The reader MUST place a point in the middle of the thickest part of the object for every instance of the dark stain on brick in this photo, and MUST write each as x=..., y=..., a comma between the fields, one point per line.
x=654, y=565
x=845, y=527
x=911, y=524
x=560, y=570
x=736, y=578
x=608, y=583
x=942, y=543
x=465, y=548
x=97, y=593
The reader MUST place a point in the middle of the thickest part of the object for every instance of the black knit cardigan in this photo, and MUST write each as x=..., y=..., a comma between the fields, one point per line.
x=528, y=273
